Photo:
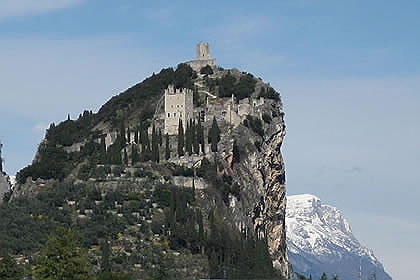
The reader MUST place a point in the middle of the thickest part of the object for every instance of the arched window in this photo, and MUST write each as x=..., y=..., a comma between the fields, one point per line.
x=169, y=115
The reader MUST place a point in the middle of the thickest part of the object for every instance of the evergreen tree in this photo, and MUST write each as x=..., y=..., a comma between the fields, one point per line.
x=180, y=139
x=9, y=270
x=214, y=135
x=136, y=136
x=196, y=138
x=128, y=135
x=324, y=276
x=123, y=136
x=135, y=157
x=155, y=145
x=62, y=258
x=160, y=140
x=335, y=277
x=167, y=148
x=106, y=256
x=125, y=158
x=200, y=136
x=103, y=150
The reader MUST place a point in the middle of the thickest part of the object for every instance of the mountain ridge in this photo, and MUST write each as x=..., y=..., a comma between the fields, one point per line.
x=320, y=240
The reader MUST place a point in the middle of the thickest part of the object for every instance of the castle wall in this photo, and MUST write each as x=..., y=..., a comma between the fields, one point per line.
x=196, y=65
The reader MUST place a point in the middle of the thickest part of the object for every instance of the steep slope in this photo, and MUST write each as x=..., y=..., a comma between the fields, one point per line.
x=320, y=240
x=229, y=208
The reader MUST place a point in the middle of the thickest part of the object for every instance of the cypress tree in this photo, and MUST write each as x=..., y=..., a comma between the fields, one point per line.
x=125, y=157
x=200, y=136
x=167, y=148
x=122, y=134
x=160, y=140
x=128, y=134
x=154, y=145
x=134, y=154
x=180, y=139
x=103, y=150
x=136, y=136
x=196, y=140
x=214, y=135
x=188, y=138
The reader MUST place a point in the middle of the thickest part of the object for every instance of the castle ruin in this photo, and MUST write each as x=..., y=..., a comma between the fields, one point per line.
x=203, y=58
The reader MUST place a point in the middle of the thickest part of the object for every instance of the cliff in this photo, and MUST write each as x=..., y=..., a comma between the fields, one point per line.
x=225, y=196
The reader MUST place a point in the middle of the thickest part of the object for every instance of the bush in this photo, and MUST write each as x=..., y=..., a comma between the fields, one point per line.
x=266, y=118
x=206, y=70
x=255, y=124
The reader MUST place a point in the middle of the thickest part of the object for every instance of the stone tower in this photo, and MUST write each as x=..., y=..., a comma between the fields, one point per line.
x=203, y=51
x=178, y=105
x=203, y=58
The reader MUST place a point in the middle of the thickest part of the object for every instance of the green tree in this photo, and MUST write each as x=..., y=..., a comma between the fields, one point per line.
x=9, y=270
x=61, y=258
x=125, y=158
x=106, y=256
x=335, y=277
x=214, y=135
x=167, y=148
x=135, y=157
x=180, y=139
x=196, y=138
x=188, y=143
x=113, y=276
x=200, y=136
x=155, y=145
x=160, y=140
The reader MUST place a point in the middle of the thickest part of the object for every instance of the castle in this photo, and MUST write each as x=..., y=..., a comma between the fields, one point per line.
x=203, y=58
x=178, y=106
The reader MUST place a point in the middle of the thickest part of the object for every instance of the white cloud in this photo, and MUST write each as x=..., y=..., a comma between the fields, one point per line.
x=13, y=8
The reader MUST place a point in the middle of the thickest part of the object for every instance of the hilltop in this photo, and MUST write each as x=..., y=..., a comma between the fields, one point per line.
x=181, y=169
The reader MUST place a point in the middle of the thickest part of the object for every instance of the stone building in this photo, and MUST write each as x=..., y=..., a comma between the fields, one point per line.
x=203, y=58
x=178, y=105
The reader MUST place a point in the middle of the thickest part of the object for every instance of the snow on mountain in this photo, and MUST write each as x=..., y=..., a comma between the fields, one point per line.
x=320, y=240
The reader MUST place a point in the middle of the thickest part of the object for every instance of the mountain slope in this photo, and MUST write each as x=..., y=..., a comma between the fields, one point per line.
x=222, y=203
x=320, y=240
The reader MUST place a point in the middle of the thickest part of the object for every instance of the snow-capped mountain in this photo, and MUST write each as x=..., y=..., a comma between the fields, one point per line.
x=320, y=240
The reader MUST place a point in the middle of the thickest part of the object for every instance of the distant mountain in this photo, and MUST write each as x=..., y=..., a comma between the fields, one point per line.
x=320, y=240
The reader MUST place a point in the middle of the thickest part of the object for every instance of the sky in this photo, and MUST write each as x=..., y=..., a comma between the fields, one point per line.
x=348, y=73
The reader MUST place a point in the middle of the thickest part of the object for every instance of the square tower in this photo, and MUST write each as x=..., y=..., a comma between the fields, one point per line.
x=178, y=105
x=203, y=51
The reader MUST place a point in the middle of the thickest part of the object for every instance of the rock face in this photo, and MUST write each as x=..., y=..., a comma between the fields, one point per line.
x=320, y=240
x=4, y=185
x=261, y=175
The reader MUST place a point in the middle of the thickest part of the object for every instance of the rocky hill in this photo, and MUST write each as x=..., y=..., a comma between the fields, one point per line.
x=320, y=240
x=212, y=199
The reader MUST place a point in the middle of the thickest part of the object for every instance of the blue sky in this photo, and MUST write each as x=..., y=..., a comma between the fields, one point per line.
x=348, y=73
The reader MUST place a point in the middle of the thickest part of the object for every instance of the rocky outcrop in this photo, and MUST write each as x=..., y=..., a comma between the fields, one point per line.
x=261, y=175
x=4, y=185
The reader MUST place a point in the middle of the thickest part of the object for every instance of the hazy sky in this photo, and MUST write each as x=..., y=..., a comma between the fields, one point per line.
x=348, y=73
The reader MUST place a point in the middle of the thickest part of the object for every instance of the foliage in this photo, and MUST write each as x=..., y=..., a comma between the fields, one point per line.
x=206, y=70
x=62, y=258
x=180, y=139
x=243, y=88
x=9, y=270
x=269, y=93
x=255, y=124
x=214, y=135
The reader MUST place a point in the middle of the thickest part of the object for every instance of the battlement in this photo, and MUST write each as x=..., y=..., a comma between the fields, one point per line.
x=171, y=90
